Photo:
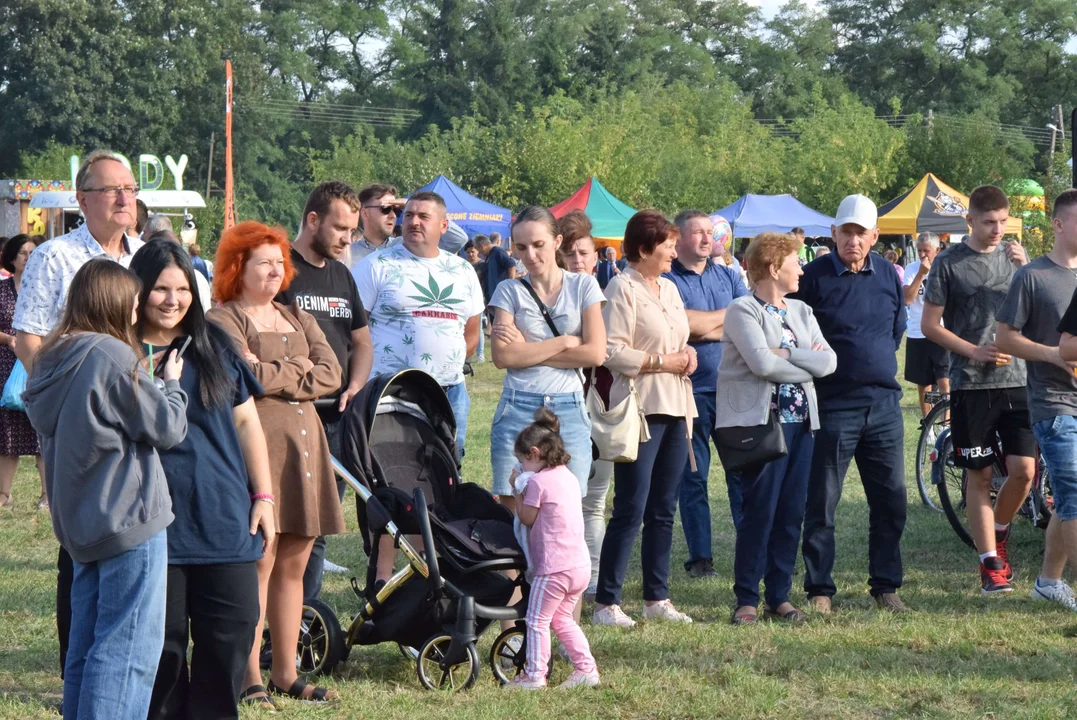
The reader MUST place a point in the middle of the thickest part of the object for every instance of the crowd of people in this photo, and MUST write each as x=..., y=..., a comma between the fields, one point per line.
x=184, y=432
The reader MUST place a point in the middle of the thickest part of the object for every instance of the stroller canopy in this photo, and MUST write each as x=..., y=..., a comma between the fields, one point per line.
x=411, y=387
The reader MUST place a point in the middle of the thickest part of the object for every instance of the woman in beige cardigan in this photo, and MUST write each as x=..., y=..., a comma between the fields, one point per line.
x=647, y=345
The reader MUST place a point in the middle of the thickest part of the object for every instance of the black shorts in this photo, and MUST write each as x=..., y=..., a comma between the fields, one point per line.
x=977, y=415
x=925, y=362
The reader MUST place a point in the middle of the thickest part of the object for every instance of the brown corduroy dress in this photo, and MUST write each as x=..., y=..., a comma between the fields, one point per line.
x=303, y=480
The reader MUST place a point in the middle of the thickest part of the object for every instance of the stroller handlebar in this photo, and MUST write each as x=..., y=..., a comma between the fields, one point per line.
x=423, y=514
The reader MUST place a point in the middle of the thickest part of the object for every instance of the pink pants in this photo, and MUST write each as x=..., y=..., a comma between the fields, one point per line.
x=553, y=599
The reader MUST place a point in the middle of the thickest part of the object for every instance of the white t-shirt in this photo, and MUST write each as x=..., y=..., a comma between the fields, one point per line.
x=417, y=310
x=915, y=309
x=578, y=292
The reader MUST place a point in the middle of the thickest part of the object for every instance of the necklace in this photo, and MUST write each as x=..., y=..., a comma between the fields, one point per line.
x=264, y=325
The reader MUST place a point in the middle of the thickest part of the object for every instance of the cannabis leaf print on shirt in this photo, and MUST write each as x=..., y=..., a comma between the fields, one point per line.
x=421, y=307
x=432, y=295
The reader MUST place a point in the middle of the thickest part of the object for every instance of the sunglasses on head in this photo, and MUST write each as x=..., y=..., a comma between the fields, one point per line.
x=385, y=209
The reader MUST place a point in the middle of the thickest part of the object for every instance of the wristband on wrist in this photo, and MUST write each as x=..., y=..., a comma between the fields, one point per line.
x=262, y=496
x=659, y=363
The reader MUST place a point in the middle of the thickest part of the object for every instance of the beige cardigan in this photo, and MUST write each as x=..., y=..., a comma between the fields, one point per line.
x=638, y=324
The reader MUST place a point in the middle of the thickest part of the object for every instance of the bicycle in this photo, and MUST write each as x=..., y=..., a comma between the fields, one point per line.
x=951, y=482
x=931, y=426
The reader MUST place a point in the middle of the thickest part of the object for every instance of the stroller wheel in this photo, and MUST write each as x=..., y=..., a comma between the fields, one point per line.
x=407, y=651
x=435, y=674
x=508, y=655
x=321, y=645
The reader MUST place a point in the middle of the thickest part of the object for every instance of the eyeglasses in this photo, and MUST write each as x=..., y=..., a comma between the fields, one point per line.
x=113, y=191
x=385, y=209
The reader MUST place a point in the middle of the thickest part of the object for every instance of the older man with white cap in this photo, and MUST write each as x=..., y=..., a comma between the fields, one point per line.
x=858, y=301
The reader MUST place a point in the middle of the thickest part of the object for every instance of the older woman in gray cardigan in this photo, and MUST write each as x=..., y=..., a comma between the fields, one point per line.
x=773, y=351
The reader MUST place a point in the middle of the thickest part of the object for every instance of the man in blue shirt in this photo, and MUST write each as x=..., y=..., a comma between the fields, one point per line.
x=859, y=303
x=607, y=267
x=707, y=288
x=499, y=266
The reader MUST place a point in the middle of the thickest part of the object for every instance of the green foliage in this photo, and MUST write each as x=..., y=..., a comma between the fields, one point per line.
x=53, y=162
x=521, y=100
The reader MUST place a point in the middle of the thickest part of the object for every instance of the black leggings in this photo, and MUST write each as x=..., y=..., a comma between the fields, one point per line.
x=216, y=608
x=65, y=576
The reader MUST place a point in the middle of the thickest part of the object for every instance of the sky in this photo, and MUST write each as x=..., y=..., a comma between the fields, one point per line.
x=770, y=7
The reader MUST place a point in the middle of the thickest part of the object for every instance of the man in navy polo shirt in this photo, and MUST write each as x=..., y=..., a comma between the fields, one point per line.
x=858, y=301
x=707, y=288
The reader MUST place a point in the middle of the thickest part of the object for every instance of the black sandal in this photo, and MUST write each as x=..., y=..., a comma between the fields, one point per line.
x=296, y=692
x=265, y=701
x=793, y=617
x=743, y=619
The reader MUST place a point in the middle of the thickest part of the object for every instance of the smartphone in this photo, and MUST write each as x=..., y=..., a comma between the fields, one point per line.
x=180, y=346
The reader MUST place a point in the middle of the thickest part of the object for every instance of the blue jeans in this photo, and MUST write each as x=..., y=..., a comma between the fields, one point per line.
x=875, y=437
x=1057, y=439
x=516, y=410
x=117, y=632
x=461, y=406
x=774, y=498
x=644, y=493
x=695, y=502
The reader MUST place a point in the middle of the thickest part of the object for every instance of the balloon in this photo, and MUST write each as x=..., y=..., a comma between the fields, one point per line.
x=722, y=234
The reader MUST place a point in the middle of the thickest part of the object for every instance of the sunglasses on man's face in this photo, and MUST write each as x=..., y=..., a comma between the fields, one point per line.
x=385, y=209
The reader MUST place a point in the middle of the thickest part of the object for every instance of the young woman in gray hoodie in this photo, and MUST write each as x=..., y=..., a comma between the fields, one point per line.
x=102, y=418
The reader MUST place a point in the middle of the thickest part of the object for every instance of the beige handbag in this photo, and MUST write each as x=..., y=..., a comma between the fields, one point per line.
x=617, y=431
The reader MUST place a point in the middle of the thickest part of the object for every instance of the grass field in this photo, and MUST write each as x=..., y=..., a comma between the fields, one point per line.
x=956, y=655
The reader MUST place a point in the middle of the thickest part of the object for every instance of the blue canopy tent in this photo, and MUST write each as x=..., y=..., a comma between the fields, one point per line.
x=475, y=216
x=752, y=214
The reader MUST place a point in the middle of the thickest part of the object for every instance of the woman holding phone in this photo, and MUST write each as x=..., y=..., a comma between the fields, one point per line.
x=102, y=422
x=221, y=490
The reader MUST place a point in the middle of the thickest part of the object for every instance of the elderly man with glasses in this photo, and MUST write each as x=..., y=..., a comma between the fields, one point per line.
x=105, y=190
x=379, y=212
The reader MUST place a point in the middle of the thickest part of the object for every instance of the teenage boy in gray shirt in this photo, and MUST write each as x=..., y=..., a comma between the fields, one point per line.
x=1031, y=323
x=967, y=286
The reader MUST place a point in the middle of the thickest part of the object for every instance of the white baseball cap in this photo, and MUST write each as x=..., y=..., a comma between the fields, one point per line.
x=859, y=210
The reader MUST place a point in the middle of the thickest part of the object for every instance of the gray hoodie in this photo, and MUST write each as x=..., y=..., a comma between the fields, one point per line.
x=107, y=491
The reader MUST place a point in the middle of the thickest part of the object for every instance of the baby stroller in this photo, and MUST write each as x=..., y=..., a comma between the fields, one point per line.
x=399, y=455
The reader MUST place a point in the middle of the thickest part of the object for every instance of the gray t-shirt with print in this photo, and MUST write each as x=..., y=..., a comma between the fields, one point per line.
x=578, y=292
x=971, y=287
x=1038, y=297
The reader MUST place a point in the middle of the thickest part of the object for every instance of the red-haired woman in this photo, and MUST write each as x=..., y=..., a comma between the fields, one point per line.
x=647, y=344
x=294, y=364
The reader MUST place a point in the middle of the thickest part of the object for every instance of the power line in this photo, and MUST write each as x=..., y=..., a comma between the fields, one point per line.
x=333, y=113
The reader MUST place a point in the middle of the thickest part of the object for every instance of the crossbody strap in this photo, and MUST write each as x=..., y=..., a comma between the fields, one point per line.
x=542, y=307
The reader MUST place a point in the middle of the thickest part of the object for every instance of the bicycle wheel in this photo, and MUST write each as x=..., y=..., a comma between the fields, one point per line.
x=931, y=427
x=950, y=482
x=1043, y=499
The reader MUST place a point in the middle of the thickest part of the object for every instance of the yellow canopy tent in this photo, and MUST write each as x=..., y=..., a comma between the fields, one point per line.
x=931, y=206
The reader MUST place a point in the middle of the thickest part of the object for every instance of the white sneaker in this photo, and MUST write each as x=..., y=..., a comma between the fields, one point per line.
x=664, y=610
x=522, y=682
x=578, y=679
x=331, y=567
x=612, y=615
x=1061, y=593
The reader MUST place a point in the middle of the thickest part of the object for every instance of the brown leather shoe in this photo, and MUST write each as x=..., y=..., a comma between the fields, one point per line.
x=820, y=604
x=891, y=603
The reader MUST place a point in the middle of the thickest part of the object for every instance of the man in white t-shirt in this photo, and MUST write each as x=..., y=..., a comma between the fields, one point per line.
x=926, y=364
x=424, y=304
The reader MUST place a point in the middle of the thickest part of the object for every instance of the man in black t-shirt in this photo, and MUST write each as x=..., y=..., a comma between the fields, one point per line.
x=324, y=287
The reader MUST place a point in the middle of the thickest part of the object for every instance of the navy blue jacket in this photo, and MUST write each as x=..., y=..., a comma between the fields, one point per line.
x=862, y=316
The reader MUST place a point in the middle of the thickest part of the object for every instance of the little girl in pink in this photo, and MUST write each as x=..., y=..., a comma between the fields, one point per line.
x=551, y=507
